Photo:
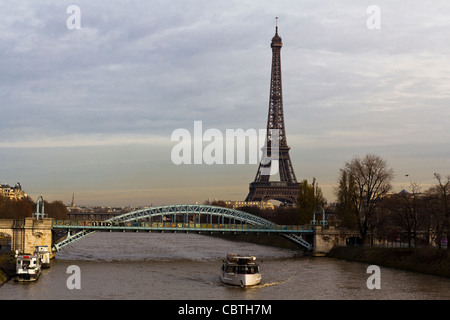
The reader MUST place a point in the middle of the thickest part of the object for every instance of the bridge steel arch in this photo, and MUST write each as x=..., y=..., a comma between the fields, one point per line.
x=161, y=211
x=192, y=209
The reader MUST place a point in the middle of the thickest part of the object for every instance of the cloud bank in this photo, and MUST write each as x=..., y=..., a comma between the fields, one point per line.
x=114, y=91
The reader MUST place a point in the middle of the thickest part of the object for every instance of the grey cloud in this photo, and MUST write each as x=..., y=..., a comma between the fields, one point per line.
x=149, y=67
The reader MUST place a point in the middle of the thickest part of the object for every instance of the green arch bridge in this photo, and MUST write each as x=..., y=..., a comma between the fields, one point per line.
x=183, y=218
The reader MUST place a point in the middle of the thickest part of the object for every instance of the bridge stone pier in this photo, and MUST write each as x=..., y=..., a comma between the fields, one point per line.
x=325, y=238
x=27, y=233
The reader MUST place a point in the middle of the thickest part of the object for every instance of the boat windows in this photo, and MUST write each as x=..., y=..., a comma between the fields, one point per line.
x=245, y=270
x=25, y=263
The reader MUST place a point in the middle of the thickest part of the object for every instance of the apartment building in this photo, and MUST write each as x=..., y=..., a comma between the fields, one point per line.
x=14, y=193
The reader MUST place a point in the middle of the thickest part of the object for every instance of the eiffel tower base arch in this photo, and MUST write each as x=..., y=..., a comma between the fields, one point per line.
x=285, y=192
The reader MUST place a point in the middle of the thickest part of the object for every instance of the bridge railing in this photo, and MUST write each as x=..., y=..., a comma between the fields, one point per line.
x=182, y=225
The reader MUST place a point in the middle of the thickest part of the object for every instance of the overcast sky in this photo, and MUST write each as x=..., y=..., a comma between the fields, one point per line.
x=91, y=111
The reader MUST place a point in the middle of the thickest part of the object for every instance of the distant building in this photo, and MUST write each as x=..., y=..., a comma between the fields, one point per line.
x=73, y=200
x=73, y=207
x=13, y=193
x=257, y=204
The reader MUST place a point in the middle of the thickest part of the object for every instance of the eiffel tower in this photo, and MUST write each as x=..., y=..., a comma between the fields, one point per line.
x=287, y=189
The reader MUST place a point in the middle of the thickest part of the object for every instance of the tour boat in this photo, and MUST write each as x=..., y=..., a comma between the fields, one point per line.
x=240, y=271
x=28, y=267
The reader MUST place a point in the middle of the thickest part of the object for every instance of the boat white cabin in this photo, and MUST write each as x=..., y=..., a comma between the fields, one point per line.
x=44, y=255
x=28, y=267
x=240, y=271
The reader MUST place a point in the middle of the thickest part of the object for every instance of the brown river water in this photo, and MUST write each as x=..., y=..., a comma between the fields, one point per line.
x=163, y=266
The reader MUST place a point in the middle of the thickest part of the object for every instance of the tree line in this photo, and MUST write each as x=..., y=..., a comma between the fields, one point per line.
x=19, y=209
x=365, y=202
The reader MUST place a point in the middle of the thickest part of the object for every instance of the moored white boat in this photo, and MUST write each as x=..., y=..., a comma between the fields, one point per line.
x=44, y=255
x=28, y=267
x=240, y=271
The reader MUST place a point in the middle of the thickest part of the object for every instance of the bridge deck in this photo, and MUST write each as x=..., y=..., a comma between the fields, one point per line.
x=177, y=226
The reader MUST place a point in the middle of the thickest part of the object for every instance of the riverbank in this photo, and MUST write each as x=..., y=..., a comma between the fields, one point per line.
x=424, y=260
x=7, y=267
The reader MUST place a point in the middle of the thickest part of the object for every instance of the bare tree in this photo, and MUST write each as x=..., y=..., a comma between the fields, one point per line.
x=372, y=178
x=345, y=206
x=443, y=189
x=408, y=211
x=435, y=217
x=309, y=198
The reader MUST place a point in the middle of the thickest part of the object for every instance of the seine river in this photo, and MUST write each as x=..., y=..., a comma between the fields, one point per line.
x=157, y=266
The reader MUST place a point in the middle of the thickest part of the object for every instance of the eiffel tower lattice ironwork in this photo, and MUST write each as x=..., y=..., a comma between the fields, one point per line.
x=287, y=189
